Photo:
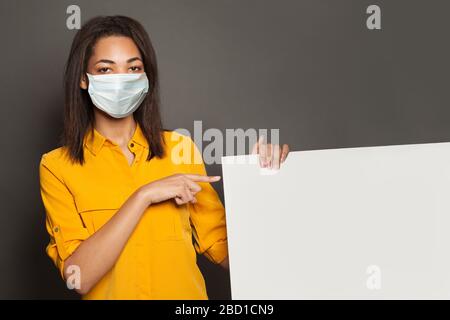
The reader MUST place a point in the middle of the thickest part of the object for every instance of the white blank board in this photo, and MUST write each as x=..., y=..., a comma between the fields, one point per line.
x=319, y=226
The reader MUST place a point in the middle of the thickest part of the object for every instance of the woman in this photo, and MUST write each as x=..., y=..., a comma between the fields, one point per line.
x=120, y=213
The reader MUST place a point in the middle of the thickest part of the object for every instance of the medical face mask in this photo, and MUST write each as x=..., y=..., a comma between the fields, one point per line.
x=119, y=95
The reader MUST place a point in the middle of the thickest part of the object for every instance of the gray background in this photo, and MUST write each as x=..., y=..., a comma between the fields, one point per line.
x=310, y=68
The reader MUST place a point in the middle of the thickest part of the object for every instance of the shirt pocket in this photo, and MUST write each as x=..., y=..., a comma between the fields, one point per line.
x=94, y=218
x=168, y=221
x=165, y=221
x=97, y=207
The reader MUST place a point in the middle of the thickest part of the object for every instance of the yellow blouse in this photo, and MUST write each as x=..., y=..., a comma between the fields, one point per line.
x=159, y=259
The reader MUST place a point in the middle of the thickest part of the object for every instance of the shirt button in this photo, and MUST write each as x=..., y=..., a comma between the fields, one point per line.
x=132, y=145
x=56, y=229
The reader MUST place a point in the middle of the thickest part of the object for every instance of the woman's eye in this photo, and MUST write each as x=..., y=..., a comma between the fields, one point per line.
x=135, y=68
x=103, y=70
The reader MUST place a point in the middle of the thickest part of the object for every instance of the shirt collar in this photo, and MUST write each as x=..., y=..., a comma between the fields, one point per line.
x=94, y=140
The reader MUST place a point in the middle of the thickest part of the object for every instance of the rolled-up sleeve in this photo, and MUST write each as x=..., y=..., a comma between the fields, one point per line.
x=208, y=217
x=63, y=223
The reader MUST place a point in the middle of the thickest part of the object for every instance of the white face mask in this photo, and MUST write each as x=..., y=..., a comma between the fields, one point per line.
x=119, y=95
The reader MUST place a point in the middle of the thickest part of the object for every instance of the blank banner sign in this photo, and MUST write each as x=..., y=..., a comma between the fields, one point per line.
x=356, y=223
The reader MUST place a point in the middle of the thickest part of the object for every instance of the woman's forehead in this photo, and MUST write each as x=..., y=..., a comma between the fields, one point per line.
x=115, y=48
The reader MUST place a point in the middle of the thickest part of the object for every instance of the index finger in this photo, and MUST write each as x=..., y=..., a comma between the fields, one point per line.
x=202, y=178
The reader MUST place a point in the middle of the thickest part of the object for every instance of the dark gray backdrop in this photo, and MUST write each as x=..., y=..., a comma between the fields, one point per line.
x=310, y=68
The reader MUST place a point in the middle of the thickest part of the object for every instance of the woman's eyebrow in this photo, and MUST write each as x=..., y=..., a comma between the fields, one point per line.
x=112, y=62
x=105, y=61
x=133, y=59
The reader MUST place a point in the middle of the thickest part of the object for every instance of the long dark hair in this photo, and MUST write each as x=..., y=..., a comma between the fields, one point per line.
x=78, y=107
